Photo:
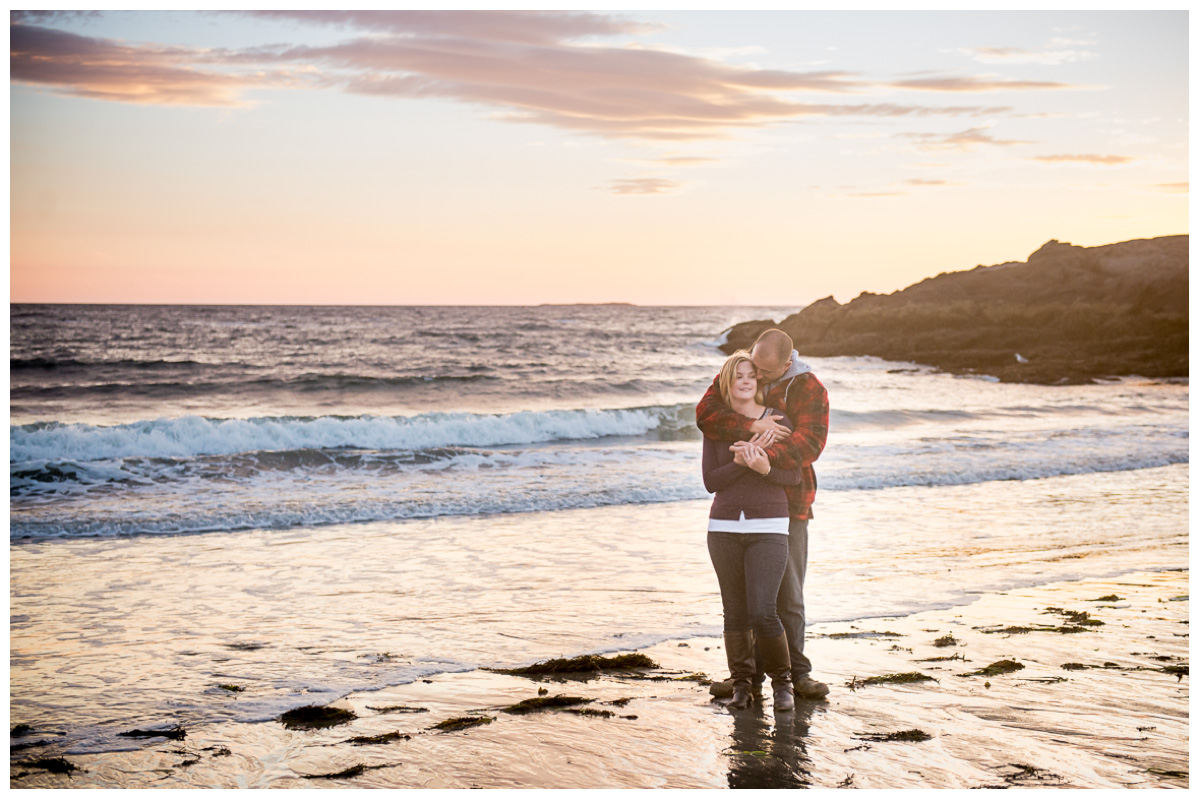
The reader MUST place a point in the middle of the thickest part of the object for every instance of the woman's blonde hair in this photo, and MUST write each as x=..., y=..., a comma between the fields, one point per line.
x=729, y=372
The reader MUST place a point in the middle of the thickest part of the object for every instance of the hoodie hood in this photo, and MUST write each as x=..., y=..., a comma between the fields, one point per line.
x=796, y=367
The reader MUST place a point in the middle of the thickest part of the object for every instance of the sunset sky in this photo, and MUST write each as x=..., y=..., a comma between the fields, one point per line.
x=491, y=157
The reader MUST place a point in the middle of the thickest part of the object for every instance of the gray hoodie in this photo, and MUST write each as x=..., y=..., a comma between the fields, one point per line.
x=795, y=368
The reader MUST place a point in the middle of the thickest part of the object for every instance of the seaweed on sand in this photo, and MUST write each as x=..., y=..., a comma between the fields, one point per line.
x=58, y=766
x=945, y=641
x=399, y=709
x=865, y=635
x=912, y=735
x=459, y=723
x=386, y=738
x=588, y=663
x=996, y=668
x=316, y=717
x=352, y=772
x=1108, y=598
x=897, y=677
x=20, y=729
x=1178, y=670
x=590, y=712
x=544, y=703
x=1074, y=617
x=232, y=687
x=177, y=733
x=955, y=657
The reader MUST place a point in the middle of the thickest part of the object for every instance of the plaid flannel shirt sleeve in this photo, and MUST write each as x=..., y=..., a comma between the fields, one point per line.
x=808, y=410
x=717, y=421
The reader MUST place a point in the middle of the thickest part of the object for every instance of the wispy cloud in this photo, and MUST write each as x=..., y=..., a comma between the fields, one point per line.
x=982, y=83
x=526, y=27
x=685, y=161
x=930, y=182
x=529, y=67
x=962, y=140
x=101, y=69
x=877, y=194
x=1049, y=56
x=1171, y=188
x=1089, y=158
x=643, y=186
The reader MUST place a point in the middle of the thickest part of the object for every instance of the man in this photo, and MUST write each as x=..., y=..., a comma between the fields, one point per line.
x=788, y=385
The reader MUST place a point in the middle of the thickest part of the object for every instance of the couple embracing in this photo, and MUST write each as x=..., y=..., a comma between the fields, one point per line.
x=764, y=419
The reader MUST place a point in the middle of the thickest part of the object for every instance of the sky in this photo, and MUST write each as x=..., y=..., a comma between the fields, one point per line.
x=498, y=157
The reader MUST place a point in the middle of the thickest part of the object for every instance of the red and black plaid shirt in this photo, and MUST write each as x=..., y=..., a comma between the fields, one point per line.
x=806, y=403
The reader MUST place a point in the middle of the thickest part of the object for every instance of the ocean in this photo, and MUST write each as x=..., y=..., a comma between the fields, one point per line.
x=310, y=501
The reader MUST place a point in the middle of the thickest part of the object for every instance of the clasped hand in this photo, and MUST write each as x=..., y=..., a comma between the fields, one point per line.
x=751, y=454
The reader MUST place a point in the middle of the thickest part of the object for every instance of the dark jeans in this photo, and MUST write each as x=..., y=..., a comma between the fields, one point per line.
x=791, y=596
x=749, y=569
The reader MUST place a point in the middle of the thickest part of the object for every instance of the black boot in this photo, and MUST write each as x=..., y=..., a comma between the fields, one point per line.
x=778, y=664
x=739, y=651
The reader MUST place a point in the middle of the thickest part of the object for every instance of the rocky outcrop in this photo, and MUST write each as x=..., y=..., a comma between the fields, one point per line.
x=1068, y=314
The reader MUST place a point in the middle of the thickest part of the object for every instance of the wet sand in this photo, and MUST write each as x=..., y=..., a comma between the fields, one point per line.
x=1092, y=706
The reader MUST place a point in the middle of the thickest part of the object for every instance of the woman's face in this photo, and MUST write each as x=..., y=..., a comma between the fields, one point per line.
x=745, y=382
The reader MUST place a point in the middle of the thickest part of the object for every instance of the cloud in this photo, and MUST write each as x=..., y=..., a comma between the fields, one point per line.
x=928, y=182
x=101, y=69
x=1171, y=188
x=1084, y=159
x=527, y=27
x=643, y=186
x=976, y=84
x=962, y=140
x=685, y=161
x=526, y=67
x=1018, y=55
x=877, y=194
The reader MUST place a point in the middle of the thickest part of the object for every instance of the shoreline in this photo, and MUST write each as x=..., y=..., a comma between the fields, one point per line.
x=1092, y=706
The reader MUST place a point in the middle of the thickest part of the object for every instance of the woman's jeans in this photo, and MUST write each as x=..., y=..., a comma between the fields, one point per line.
x=749, y=569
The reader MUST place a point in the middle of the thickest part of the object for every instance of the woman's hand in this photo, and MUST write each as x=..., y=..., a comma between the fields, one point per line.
x=751, y=455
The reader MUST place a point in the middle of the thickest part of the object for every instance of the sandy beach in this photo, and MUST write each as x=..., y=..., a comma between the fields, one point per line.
x=1099, y=700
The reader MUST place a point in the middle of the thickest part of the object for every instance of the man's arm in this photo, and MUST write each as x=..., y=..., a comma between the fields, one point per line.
x=808, y=409
x=717, y=421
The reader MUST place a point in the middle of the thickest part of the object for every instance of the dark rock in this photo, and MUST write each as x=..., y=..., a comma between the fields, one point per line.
x=1074, y=314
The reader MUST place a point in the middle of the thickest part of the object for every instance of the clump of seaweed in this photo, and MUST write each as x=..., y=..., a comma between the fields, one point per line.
x=461, y=723
x=316, y=717
x=898, y=677
x=544, y=703
x=1108, y=598
x=352, y=772
x=590, y=712
x=20, y=729
x=619, y=703
x=1072, y=665
x=865, y=635
x=911, y=735
x=1074, y=617
x=996, y=668
x=955, y=657
x=1178, y=670
x=398, y=709
x=588, y=663
x=945, y=641
x=385, y=738
x=231, y=687
x=58, y=766
x=177, y=733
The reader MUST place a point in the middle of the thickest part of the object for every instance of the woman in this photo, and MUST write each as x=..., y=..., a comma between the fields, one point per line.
x=747, y=541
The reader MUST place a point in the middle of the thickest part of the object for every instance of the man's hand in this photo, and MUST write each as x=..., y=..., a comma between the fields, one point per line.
x=769, y=425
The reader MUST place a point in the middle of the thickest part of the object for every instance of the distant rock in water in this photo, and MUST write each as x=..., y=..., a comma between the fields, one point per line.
x=1066, y=315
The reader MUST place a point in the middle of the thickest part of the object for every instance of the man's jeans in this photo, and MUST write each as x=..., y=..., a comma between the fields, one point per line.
x=790, y=602
x=749, y=569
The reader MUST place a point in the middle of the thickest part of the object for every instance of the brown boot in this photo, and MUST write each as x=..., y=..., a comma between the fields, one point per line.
x=778, y=665
x=739, y=651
